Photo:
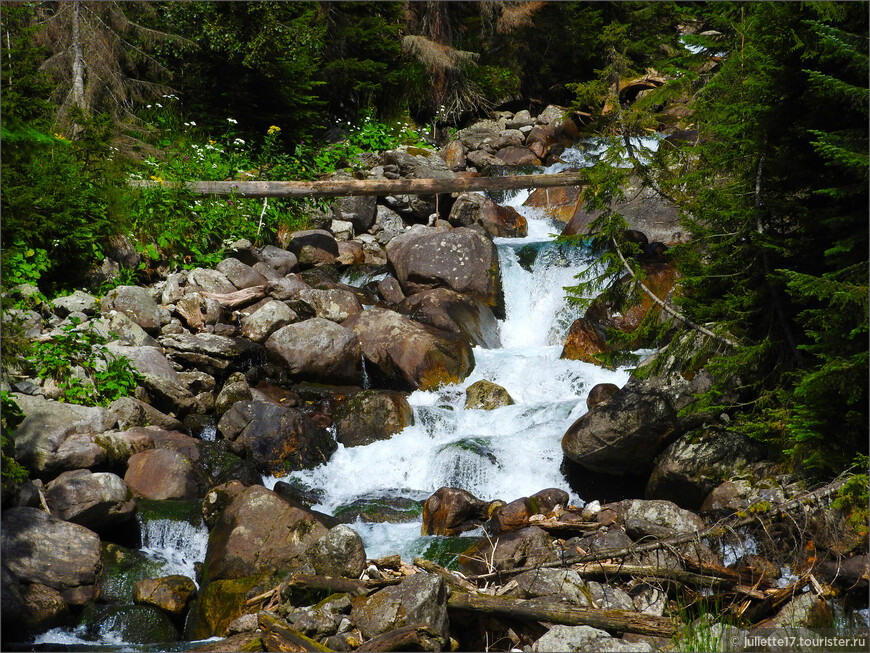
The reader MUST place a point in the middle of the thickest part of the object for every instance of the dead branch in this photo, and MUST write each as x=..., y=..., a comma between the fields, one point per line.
x=554, y=611
x=415, y=637
x=279, y=636
x=237, y=298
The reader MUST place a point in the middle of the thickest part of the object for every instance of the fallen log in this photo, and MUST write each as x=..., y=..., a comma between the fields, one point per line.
x=279, y=636
x=416, y=637
x=332, y=584
x=454, y=581
x=237, y=298
x=351, y=187
x=553, y=611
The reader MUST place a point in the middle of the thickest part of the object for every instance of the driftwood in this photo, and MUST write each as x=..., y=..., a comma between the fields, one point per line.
x=566, y=528
x=553, y=611
x=332, y=584
x=718, y=529
x=237, y=298
x=416, y=637
x=279, y=636
x=382, y=187
x=455, y=582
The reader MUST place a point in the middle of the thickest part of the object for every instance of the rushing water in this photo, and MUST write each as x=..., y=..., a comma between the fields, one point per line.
x=505, y=453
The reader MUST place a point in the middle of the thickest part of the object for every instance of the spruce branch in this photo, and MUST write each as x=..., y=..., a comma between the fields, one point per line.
x=666, y=307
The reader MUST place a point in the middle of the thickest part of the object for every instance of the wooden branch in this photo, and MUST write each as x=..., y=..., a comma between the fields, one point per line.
x=415, y=637
x=554, y=611
x=455, y=582
x=349, y=187
x=332, y=584
x=237, y=298
x=610, y=569
x=667, y=308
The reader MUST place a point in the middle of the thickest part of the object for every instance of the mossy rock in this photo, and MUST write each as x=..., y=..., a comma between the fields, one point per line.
x=395, y=510
x=122, y=568
x=136, y=624
x=478, y=446
x=189, y=511
x=444, y=551
x=221, y=601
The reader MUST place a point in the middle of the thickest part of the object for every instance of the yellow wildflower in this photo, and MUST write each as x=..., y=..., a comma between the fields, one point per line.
x=159, y=180
x=60, y=137
x=274, y=129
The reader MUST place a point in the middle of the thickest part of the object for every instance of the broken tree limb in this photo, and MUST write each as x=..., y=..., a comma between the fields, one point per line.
x=715, y=530
x=554, y=611
x=332, y=584
x=351, y=187
x=455, y=582
x=416, y=637
x=667, y=308
x=237, y=298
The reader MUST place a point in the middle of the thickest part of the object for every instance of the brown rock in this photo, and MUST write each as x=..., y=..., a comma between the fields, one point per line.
x=169, y=593
x=451, y=511
x=560, y=203
x=599, y=393
x=161, y=474
x=583, y=342
x=260, y=532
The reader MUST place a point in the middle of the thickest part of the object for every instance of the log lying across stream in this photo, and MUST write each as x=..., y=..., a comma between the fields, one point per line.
x=349, y=187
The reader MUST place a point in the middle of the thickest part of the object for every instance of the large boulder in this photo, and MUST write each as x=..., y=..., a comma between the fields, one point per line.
x=372, y=415
x=241, y=275
x=89, y=499
x=584, y=638
x=584, y=342
x=260, y=532
x=333, y=304
x=451, y=311
x=161, y=474
x=472, y=209
x=690, y=467
x=517, y=514
x=169, y=593
x=39, y=548
x=318, y=350
x=418, y=599
x=212, y=353
x=359, y=210
x=161, y=381
x=207, y=280
x=136, y=303
x=486, y=395
x=339, y=553
x=280, y=259
x=450, y=511
x=526, y=547
x=267, y=319
x=624, y=434
x=54, y=437
x=460, y=259
x=313, y=247
x=409, y=354
x=275, y=439
x=559, y=203
x=643, y=209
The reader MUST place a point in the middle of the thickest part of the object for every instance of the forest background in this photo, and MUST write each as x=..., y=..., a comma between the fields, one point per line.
x=772, y=186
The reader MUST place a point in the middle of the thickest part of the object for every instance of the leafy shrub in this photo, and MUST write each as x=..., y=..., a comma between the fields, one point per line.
x=12, y=472
x=105, y=377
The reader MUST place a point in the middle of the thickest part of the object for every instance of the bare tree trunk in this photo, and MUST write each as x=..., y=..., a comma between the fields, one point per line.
x=78, y=71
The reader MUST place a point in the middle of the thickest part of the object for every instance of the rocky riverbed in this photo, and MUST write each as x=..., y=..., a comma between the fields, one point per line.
x=268, y=363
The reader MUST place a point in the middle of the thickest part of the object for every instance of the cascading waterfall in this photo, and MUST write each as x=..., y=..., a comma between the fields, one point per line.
x=505, y=453
x=177, y=544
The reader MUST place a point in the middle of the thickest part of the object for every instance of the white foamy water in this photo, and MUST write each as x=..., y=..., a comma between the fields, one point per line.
x=505, y=453
x=176, y=544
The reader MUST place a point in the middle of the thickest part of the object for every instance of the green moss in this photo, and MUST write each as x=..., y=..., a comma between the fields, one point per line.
x=444, y=550
x=221, y=601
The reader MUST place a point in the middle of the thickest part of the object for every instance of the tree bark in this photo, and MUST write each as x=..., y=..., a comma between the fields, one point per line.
x=355, y=187
x=416, y=637
x=554, y=611
x=78, y=70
